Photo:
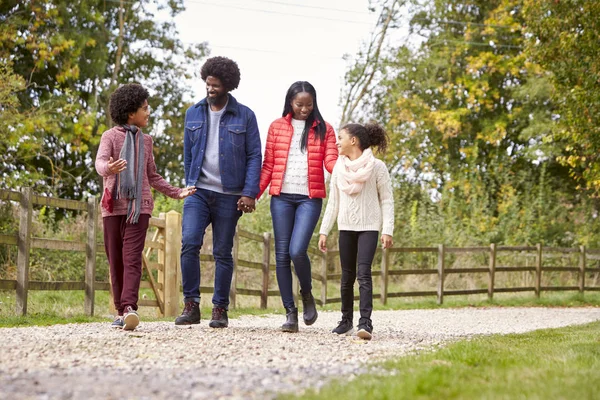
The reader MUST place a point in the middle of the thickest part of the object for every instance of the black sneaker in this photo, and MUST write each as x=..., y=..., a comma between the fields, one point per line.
x=190, y=314
x=365, y=330
x=344, y=327
x=219, y=318
x=118, y=322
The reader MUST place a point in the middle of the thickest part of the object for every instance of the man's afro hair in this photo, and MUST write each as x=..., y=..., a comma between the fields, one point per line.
x=126, y=100
x=223, y=68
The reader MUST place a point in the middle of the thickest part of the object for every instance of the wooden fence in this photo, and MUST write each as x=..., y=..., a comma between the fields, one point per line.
x=161, y=261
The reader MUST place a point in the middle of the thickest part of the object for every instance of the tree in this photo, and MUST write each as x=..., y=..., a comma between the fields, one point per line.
x=565, y=40
x=69, y=57
x=469, y=113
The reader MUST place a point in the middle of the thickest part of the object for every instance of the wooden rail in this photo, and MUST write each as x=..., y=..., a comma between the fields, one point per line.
x=164, y=274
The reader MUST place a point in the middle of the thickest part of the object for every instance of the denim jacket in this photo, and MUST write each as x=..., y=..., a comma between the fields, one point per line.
x=239, y=146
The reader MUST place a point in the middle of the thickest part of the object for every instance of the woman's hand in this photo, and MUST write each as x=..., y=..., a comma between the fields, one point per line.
x=115, y=167
x=386, y=241
x=246, y=204
x=323, y=243
x=188, y=191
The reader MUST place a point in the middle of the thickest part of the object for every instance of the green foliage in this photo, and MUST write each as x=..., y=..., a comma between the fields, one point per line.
x=471, y=114
x=59, y=62
x=553, y=363
x=565, y=39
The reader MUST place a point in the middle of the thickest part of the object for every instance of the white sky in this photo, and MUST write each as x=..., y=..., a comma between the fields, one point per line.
x=278, y=42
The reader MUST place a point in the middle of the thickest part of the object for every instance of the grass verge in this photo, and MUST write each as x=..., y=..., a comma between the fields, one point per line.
x=546, y=364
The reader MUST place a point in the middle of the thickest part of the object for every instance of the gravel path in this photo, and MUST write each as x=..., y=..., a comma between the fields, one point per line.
x=249, y=360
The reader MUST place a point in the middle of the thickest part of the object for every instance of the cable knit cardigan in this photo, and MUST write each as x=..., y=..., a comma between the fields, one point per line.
x=110, y=146
x=371, y=209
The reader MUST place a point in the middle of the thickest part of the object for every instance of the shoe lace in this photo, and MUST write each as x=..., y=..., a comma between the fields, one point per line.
x=217, y=313
x=189, y=308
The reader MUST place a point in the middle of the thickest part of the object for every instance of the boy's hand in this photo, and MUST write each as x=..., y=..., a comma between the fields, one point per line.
x=115, y=167
x=386, y=241
x=188, y=191
x=323, y=243
x=246, y=204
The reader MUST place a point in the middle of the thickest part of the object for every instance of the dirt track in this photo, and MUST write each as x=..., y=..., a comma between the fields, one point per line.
x=249, y=360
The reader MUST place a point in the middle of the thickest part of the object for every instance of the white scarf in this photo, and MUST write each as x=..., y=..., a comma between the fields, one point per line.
x=354, y=174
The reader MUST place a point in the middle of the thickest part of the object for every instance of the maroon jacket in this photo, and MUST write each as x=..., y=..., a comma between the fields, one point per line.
x=110, y=146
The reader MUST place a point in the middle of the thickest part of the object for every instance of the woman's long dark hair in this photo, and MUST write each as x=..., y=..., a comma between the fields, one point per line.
x=315, y=115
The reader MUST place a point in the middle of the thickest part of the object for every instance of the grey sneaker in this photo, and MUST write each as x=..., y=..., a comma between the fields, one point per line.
x=131, y=319
x=118, y=322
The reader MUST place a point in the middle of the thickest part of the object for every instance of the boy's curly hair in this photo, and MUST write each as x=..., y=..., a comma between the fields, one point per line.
x=223, y=68
x=126, y=100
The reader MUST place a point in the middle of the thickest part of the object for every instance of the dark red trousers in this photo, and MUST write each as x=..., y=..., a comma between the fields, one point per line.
x=124, y=244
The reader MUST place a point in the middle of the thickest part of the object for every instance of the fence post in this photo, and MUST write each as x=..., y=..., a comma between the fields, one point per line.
x=295, y=286
x=492, y=272
x=385, y=265
x=90, y=255
x=235, y=252
x=24, y=244
x=582, y=262
x=324, y=259
x=172, y=262
x=440, y=288
x=538, y=270
x=264, y=296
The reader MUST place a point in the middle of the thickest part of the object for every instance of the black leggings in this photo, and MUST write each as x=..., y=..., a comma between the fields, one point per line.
x=357, y=248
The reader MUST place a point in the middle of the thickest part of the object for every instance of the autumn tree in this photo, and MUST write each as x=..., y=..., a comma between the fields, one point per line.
x=66, y=58
x=565, y=40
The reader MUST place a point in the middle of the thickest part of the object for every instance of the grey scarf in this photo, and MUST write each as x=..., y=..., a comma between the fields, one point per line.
x=131, y=179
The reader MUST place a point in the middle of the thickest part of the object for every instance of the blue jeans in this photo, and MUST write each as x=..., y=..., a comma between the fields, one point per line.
x=199, y=210
x=295, y=217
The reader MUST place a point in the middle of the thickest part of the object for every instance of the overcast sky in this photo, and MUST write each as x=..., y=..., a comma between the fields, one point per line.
x=278, y=42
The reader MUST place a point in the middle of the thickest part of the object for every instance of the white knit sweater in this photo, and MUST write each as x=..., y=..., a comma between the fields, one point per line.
x=371, y=209
x=295, y=177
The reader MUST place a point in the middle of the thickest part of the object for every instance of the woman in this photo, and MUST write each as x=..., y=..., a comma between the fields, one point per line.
x=299, y=144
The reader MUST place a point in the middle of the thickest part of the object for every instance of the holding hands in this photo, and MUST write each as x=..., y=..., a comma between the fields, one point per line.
x=246, y=204
x=188, y=191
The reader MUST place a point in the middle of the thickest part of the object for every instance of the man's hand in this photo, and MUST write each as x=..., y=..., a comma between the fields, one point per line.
x=386, y=241
x=323, y=243
x=246, y=204
x=188, y=191
x=115, y=167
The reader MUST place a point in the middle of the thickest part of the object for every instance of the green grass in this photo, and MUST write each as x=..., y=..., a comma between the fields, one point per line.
x=546, y=364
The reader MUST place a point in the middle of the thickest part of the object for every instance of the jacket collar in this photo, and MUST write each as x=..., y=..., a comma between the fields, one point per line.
x=288, y=118
x=232, y=104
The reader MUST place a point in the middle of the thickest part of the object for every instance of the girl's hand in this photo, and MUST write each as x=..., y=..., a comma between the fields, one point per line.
x=323, y=243
x=188, y=191
x=386, y=241
x=115, y=167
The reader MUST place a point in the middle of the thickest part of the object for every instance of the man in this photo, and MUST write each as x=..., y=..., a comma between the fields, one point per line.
x=222, y=159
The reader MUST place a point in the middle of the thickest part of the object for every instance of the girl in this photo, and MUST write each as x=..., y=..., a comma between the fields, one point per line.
x=126, y=164
x=362, y=201
x=298, y=145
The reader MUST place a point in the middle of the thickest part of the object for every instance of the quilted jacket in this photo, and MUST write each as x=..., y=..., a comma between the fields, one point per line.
x=318, y=154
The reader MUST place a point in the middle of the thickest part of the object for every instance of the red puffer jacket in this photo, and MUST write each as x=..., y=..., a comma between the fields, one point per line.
x=276, y=154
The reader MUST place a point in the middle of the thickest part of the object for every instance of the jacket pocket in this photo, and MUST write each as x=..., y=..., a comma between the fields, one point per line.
x=193, y=129
x=237, y=135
